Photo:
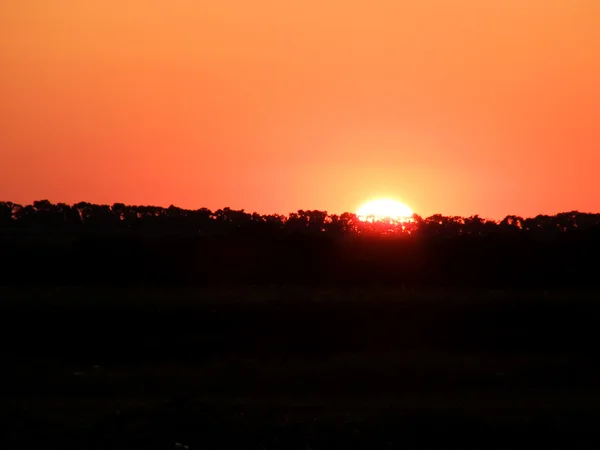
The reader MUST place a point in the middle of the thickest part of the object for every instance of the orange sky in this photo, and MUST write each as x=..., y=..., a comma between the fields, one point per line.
x=454, y=106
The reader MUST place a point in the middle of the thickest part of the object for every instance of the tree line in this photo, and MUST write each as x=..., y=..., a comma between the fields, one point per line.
x=45, y=216
x=120, y=244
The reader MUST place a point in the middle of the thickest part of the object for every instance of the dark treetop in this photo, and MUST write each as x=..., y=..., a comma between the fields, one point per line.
x=121, y=244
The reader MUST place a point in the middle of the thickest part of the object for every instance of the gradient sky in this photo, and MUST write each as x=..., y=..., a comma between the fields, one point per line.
x=454, y=106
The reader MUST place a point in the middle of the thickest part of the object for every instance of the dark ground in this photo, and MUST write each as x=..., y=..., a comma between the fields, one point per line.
x=291, y=368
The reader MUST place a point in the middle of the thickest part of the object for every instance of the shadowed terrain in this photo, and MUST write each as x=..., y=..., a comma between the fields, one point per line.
x=289, y=367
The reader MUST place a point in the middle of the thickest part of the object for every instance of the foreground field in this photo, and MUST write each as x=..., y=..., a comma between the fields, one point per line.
x=287, y=368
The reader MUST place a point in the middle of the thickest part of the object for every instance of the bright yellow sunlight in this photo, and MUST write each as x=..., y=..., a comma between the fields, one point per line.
x=384, y=209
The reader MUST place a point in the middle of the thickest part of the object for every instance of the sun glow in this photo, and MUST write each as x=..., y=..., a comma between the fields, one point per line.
x=385, y=209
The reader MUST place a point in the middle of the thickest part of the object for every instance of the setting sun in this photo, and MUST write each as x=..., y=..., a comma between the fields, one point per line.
x=384, y=209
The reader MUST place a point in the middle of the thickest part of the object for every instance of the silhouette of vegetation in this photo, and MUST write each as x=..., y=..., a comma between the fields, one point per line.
x=225, y=329
x=121, y=244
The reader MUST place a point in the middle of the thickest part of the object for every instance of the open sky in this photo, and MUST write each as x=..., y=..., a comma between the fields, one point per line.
x=457, y=107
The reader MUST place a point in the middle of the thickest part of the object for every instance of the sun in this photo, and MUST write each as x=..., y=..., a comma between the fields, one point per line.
x=384, y=209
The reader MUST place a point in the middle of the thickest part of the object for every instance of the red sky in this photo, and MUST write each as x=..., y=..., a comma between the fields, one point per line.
x=454, y=106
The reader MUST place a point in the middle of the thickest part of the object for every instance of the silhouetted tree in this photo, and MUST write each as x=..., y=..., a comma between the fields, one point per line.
x=124, y=243
x=6, y=213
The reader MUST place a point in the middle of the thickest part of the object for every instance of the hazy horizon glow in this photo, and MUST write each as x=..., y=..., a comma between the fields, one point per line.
x=456, y=107
x=384, y=208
